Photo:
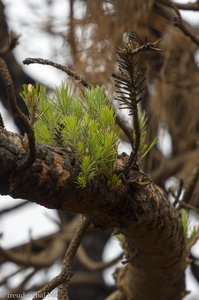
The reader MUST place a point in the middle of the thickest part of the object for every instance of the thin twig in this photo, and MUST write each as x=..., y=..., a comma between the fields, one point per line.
x=80, y=79
x=40, y=260
x=145, y=46
x=6, y=278
x=20, y=289
x=189, y=207
x=23, y=120
x=1, y=121
x=95, y=265
x=192, y=185
x=188, y=6
x=177, y=197
x=136, y=126
x=65, y=275
x=173, y=6
x=69, y=72
x=125, y=129
x=191, y=242
x=10, y=209
x=178, y=23
x=118, y=294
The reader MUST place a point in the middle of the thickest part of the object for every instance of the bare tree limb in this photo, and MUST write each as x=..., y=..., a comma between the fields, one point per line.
x=192, y=185
x=51, y=182
x=194, y=6
x=189, y=207
x=172, y=5
x=14, y=293
x=93, y=265
x=1, y=121
x=30, y=158
x=6, y=278
x=44, y=259
x=69, y=72
x=65, y=275
x=178, y=23
x=10, y=209
x=177, y=197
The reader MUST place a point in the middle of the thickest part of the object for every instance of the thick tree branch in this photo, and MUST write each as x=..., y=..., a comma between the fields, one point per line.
x=145, y=217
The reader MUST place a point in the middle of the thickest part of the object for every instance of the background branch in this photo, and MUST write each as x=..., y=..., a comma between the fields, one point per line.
x=30, y=158
x=65, y=275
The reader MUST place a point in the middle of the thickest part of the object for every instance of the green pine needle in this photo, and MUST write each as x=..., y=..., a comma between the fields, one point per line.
x=84, y=124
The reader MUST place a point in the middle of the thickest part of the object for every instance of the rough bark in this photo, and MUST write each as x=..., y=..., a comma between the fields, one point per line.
x=155, y=246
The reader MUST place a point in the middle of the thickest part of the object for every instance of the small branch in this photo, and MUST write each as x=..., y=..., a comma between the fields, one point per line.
x=65, y=275
x=6, y=278
x=1, y=121
x=13, y=41
x=192, y=185
x=81, y=80
x=132, y=87
x=23, y=120
x=93, y=265
x=178, y=23
x=192, y=242
x=116, y=295
x=125, y=129
x=188, y=6
x=145, y=46
x=134, y=153
x=172, y=5
x=189, y=207
x=69, y=72
x=42, y=260
x=10, y=209
x=177, y=197
x=20, y=289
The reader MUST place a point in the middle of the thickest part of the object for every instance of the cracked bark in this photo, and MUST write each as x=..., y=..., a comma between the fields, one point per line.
x=155, y=246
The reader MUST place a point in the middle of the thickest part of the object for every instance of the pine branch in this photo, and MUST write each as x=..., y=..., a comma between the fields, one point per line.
x=131, y=87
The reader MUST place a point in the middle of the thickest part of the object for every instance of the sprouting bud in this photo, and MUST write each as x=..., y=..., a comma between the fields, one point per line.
x=30, y=88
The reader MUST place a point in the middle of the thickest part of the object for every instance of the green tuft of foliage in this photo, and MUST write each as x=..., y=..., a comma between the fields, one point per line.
x=84, y=124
